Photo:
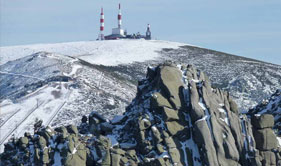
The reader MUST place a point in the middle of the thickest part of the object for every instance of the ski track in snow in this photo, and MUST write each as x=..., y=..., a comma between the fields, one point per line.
x=2, y=72
x=43, y=106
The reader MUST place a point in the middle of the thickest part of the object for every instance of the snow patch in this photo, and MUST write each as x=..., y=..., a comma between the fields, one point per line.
x=74, y=70
x=279, y=141
x=117, y=119
x=226, y=119
x=127, y=145
x=113, y=140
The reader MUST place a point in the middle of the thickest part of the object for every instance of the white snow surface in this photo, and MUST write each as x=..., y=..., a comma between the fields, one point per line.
x=279, y=141
x=42, y=104
x=113, y=140
x=108, y=53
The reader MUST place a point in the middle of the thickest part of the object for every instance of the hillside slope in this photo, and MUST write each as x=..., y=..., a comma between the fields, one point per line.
x=59, y=83
x=176, y=118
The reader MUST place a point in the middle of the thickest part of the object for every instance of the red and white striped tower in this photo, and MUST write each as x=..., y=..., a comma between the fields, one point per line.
x=119, y=17
x=101, y=36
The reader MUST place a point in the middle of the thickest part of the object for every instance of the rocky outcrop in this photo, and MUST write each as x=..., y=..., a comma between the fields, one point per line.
x=177, y=118
x=266, y=141
x=271, y=106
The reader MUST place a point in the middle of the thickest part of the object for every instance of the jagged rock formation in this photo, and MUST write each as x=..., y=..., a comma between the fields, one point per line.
x=177, y=118
x=272, y=106
x=266, y=141
x=59, y=83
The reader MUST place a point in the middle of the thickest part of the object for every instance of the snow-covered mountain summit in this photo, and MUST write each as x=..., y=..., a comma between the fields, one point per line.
x=59, y=83
x=108, y=53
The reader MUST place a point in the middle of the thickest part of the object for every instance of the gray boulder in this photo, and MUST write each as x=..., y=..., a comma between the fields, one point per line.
x=158, y=101
x=174, y=127
x=268, y=158
x=23, y=142
x=170, y=82
x=263, y=121
x=205, y=142
x=169, y=114
x=72, y=129
x=144, y=123
x=265, y=139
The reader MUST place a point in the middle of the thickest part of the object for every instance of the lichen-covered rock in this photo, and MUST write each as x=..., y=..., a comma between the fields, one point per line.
x=42, y=142
x=115, y=159
x=170, y=143
x=23, y=141
x=103, y=145
x=47, y=133
x=174, y=127
x=72, y=129
x=160, y=148
x=63, y=132
x=158, y=101
x=156, y=134
x=196, y=111
x=45, y=156
x=204, y=140
x=170, y=114
x=175, y=156
x=144, y=123
x=170, y=82
x=72, y=160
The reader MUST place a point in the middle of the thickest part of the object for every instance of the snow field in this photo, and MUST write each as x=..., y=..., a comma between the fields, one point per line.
x=42, y=105
x=108, y=53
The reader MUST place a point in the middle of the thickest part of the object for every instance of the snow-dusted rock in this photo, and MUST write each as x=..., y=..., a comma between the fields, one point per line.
x=263, y=121
x=59, y=83
x=150, y=132
x=270, y=110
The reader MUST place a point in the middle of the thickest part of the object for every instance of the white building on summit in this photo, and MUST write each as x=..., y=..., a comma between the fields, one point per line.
x=119, y=33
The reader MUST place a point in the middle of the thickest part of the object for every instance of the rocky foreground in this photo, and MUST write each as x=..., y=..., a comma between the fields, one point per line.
x=177, y=118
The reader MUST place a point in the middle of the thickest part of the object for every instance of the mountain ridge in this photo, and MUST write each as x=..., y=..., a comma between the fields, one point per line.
x=176, y=118
x=108, y=89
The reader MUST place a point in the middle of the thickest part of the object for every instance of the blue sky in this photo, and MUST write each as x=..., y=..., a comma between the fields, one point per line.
x=250, y=28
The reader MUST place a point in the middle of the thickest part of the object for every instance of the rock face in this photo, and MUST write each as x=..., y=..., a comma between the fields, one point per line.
x=177, y=118
x=266, y=141
x=272, y=106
